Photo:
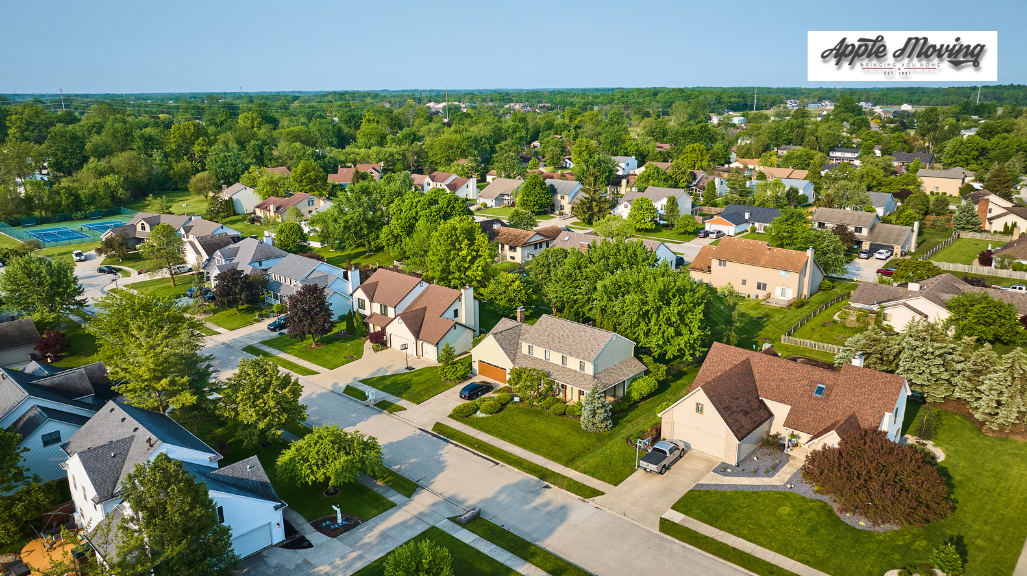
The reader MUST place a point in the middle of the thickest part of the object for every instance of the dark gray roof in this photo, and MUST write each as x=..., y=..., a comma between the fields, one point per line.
x=846, y=150
x=251, y=250
x=926, y=158
x=245, y=478
x=507, y=333
x=36, y=416
x=735, y=214
x=889, y=234
x=294, y=267
x=104, y=536
x=879, y=199
x=18, y=333
x=82, y=387
x=847, y=217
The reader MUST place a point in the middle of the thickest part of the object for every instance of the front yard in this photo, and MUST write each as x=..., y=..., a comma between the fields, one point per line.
x=415, y=385
x=334, y=351
x=985, y=476
x=229, y=319
x=466, y=558
x=161, y=287
x=82, y=347
x=965, y=250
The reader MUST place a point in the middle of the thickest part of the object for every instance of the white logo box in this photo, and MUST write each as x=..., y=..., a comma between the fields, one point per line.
x=875, y=56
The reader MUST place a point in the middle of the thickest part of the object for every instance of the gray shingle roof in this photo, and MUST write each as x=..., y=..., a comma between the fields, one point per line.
x=36, y=416
x=950, y=173
x=251, y=250
x=735, y=214
x=55, y=384
x=244, y=478
x=654, y=193
x=847, y=217
x=889, y=234
x=294, y=267
x=566, y=337
x=879, y=199
x=18, y=333
x=500, y=186
x=562, y=187
x=926, y=158
x=507, y=334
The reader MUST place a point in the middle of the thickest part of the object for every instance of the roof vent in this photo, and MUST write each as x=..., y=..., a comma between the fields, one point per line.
x=123, y=419
x=249, y=467
x=112, y=409
x=149, y=442
x=819, y=391
x=136, y=429
x=112, y=454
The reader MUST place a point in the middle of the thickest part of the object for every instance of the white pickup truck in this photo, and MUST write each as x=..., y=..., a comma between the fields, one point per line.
x=662, y=455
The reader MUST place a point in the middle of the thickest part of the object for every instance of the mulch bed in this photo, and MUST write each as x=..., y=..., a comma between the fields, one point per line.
x=325, y=525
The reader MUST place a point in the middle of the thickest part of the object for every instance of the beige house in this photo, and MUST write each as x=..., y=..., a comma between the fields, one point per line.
x=573, y=354
x=138, y=229
x=275, y=207
x=996, y=213
x=417, y=316
x=741, y=395
x=945, y=181
x=871, y=233
x=757, y=269
x=516, y=245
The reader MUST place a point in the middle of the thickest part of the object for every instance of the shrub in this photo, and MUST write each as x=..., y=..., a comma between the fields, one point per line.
x=378, y=347
x=490, y=407
x=424, y=558
x=574, y=410
x=550, y=402
x=641, y=388
x=947, y=559
x=504, y=397
x=985, y=258
x=772, y=441
x=278, y=308
x=376, y=337
x=558, y=409
x=663, y=407
x=464, y=410
x=826, y=285
x=455, y=372
x=798, y=303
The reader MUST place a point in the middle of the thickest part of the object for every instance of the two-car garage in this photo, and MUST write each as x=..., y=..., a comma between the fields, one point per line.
x=492, y=371
x=253, y=541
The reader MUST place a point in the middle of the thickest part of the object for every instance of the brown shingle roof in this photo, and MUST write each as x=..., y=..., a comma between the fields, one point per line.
x=343, y=176
x=388, y=287
x=735, y=396
x=847, y=217
x=1017, y=248
x=425, y=315
x=517, y=237
x=282, y=204
x=752, y=252
x=784, y=173
x=279, y=170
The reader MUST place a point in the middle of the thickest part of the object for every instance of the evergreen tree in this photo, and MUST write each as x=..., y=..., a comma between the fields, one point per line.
x=976, y=366
x=1003, y=393
x=349, y=323
x=671, y=212
x=595, y=412
x=1000, y=182
x=946, y=558
x=928, y=360
x=879, y=351
x=966, y=218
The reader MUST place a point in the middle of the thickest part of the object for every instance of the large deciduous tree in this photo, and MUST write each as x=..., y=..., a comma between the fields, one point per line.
x=531, y=383
x=289, y=236
x=979, y=315
x=460, y=254
x=506, y=292
x=234, y=289
x=522, y=219
x=309, y=177
x=642, y=216
x=164, y=248
x=42, y=288
x=333, y=455
x=261, y=400
x=915, y=271
x=534, y=195
x=415, y=216
x=309, y=314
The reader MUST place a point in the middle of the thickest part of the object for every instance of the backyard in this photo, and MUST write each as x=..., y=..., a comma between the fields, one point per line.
x=665, y=234
x=415, y=385
x=182, y=202
x=356, y=256
x=965, y=250
x=489, y=317
x=825, y=328
x=985, y=478
x=82, y=347
x=929, y=238
x=334, y=351
x=505, y=213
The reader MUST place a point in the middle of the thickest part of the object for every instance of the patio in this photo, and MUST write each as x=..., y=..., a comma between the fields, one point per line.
x=42, y=553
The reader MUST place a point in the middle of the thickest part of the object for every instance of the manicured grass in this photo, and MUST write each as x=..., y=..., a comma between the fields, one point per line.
x=756, y=236
x=230, y=319
x=401, y=484
x=786, y=350
x=8, y=242
x=355, y=393
x=985, y=475
x=721, y=550
x=82, y=347
x=205, y=331
x=162, y=286
x=928, y=239
x=55, y=251
x=505, y=213
x=540, y=472
x=389, y=406
x=415, y=385
x=466, y=559
x=489, y=317
x=342, y=258
x=665, y=234
x=331, y=354
x=834, y=333
x=193, y=204
x=524, y=549
x=287, y=364
x=133, y=260
x=965, y=250
x=238, y=223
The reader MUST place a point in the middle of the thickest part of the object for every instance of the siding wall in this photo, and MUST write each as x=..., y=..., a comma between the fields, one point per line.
x=244, y=514
x=46, y=461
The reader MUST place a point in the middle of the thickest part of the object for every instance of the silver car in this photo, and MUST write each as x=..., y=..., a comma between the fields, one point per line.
x=78, y=256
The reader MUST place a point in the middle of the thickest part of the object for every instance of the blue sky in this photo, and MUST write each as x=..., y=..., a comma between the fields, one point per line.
x=260, y=45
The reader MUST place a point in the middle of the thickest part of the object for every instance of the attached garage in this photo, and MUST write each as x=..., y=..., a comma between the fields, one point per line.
x=253, y=541
x=492, y=371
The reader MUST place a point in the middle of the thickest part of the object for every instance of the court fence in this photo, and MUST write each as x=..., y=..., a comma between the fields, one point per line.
x=22, y=228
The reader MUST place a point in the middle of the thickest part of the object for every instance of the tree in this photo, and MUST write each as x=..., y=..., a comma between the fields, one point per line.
x=828, y=250
x=770, y=194
x=688, y=225
x=204, y=184
x=693, y=157
x=534, y=195
x=966, y=219
x=595, y=412
x=331, y=454
x=293, y=214
x=310, y=178
x=847, y=194
x=613, y=226
x=171, y=527
x=594, y=171
x=1000, y=182
x=114, y=245
x=870, y=476
x=522, y=219
x=450, y=369
x=218, y=208
x=261, y=400
x=654, y=176
x=919, y=203
x=158, y=204
x=928, y=360
x=309, y=314
x=784, y=229
x=642, y=216
x=460, y=254
x=164, y=248
x=52, y=344
x=1002, y=396
x=151, y=346
x=846, y=236
x=879, y=352
x=289, y=236
x=947, y=559
x=421, y=558
x=672, y=212
x=234, y=289
x=12, y=467
x=642, y=387
x=41, y=288
x=21, y=510
x=978, y=315
x=531, y=383
x=506, y=293
x=915, y=271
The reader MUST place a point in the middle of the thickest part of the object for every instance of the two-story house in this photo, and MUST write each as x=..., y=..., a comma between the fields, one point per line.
x=199, y=251
x=418, y=317
x=839, y=155
x=996, y=213
x=944, y=181
x=46, y=405
x=516, y=245
x=576, y=356
x=242, y=197
x=138, y=229
x=738, y=219
x=250, y=256
x=344, y=176
x=466, y=188
x=624, y=165
x=783, y=173
x=868, y=229
x=883, y=203
x=119, y=437
x=906, y=158
x=659, y=196
x=499, y=192
x=565, y=194
x=292, y=272
x=757, y=269
x=274, y=208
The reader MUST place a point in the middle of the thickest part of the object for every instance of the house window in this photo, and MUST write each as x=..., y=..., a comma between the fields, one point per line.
x=819, y=391
x=698, y=407
x=858, y=230
x=51, y=438
x=581, y=365
x=383, y=309
x=563, y=360
x=721, y=262
x=310, y=201
x=547, y=354
x=785, y=274
x=935, y=188
x=761, y=285
x=743, y=282
x=887, y=317
x=456, y=313
x=221, y=514
x=531, y=350
x=361, y=303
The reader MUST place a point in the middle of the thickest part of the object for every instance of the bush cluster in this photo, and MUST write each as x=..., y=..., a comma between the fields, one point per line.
x=558, y=409
x=465, y=410
x=574, y=410
x=490, y=407
x=504, y=397
x=550, y=402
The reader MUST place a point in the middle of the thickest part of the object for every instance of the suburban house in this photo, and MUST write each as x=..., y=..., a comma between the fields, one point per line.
x=292, y=272
x=242, y=197
x=250, y=256
x=344, y=176
x=46, y=405
x=997, y=214
x=906, y=158
x=850, y=155
x=120, y=437
x=923, y=300
x=17, y=340
x=199, y=251
x=1017, y=248
x=282, y=170
x=659, y=196
x=581, y=241
x=736, y=219
x=747, y=163
x=499, y=192
x=516, y=245
x=883, y=203
x=869, y=231
x=417, y=316
x=419, y=180
x=945, y=181
x=576, y=356
x=740, y=395
x=565, y=194
x=138, y=229
x=783, y=173
x=275, y=207
x=624, y=165
x=462, y=187
x=757, y=269
x=803, y=186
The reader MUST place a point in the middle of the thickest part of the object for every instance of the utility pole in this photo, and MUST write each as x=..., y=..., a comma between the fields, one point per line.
x=755, y=90
x=62, y=99
x=978, y=94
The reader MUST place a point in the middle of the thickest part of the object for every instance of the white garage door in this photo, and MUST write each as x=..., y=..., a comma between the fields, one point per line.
x=252, y=541
x=702, y=441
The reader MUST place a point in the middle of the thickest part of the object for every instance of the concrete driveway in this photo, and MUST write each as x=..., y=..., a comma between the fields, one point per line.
x=864, y=270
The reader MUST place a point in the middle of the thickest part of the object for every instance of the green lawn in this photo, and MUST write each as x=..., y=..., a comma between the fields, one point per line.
x=664, y=234
x=835, y=333
x=205, y=331
x=986, y=479
x=82, y=347
x=505, y=213
x=401, y=484
x=229, y=319
x=540, y=472
x=929, y=238
x=343, y=258
x=524, y=549
x=756, y=236
x=288, y=365
x=239, y=224
x=162, y=286
x=133, y=260
x=721, y=550
x=965, y=250
x=355, y=393
x=466, y=559
x=331, y=354
x=415, y=385
x=8, y=242
x=389, y=406
x=193, y=204
x=55, y=251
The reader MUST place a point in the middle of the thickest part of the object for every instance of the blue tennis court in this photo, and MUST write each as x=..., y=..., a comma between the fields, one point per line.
x=101, y=227
x=59, y=234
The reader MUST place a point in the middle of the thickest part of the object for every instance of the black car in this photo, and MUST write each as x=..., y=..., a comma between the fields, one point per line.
x=107, y=270
x=279, y=324
x=475, y=390
x=703, y=234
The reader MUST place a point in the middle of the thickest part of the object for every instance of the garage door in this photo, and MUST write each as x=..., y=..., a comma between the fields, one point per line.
x=491, y=371
x=253, y=541
x=702, y=441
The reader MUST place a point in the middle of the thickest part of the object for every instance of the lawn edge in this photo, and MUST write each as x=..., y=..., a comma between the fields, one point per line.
x=721, y=550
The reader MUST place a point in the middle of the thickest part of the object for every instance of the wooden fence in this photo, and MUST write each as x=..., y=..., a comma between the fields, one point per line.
x=940, y=247
x=986, y=236
x=802, y=342
x=809, y=316
x=981, y=270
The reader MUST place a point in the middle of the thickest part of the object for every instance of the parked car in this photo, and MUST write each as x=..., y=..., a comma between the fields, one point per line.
x=107, y=270
x=143, y=271
x=78, y=256
x=1017, y=288
x=662, y=455
x=886, y=271
x=864, y=254
x=181, y=269
x=192, y=292
x=703, y=234
x=475, y=390
x=679, y=262
x=277, y=324
x=883, y=254
x=717, y=234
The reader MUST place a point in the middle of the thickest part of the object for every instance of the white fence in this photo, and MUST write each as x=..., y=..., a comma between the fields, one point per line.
x=981, y=270
x=813, y=344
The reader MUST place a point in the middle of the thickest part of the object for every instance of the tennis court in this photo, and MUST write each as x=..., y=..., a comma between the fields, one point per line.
x=101, y=227
x=58, y=234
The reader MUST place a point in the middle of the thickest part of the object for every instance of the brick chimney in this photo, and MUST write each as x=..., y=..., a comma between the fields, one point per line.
x=982, y=212
x=520, y=314
x=224, y=186
x=1016, y=232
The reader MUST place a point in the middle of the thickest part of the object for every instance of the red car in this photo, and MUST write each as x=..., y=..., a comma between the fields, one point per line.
x=886, y=271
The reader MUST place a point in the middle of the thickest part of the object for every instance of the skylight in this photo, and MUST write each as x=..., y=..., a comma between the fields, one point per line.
x=819, y=392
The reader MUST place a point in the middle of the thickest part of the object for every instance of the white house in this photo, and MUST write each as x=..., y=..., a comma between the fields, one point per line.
x=659, y=196
x=462, y=187
x=804, y=186
x=625, y=165
x=243, y=198
x=292, y=272
x=736, y=219
x=120, y=437
x=199, y=250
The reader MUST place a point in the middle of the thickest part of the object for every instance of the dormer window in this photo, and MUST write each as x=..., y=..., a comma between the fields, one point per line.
x=819, y=391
